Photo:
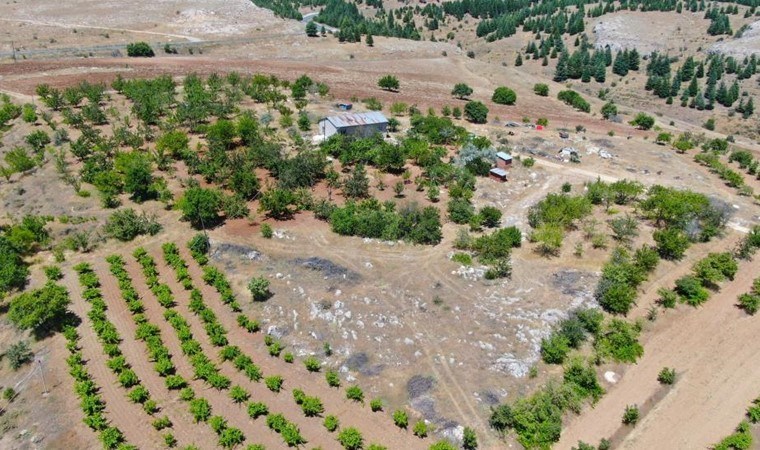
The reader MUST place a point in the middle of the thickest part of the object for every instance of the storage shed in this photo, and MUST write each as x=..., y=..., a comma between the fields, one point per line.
x=503, y=160
x=498, y=174
x=356, y=124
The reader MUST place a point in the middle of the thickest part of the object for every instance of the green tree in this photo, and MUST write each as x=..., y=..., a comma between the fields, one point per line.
x=388, y=83
x=279, y=204
x=311, y=29
x=461, y=91
x=140, y=49
x=19, y=354
x=643, y=121
x=541, y=89
x=41, y=310
x=201, y=206
x=469, y=439
x=369, y=40
x=476, y=112
x=609, y=110
x=351, y=439
x=356, y=185
x=504, y=96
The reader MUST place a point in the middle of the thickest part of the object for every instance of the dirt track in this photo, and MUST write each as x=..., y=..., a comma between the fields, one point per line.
x=712, y=349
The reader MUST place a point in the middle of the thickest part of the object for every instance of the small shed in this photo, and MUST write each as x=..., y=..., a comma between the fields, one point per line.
x=498, y=174
x=356, y=124
x=503, y=160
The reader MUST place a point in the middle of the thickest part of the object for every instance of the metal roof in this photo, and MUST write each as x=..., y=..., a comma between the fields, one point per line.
x=357, y=119
x=504, y=156
x=499, y=172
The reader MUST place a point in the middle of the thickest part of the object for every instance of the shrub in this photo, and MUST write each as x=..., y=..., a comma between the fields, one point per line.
x=259, y=288
x=140, y=50
x=504, y=96
x=750, y=303
x=331, y=423
x=376, y=404
x=400, y=418
x=312, y=364
x=619, y=341
x=125, y=225
x=574, y=99
x=351, y=439
x=690, y=290
x=257, y=409
x=200, y=409
x=420, y=429
x=332, y=378
x=554, y=349
x=643, y=121
x=631, y=415
x=476, y=112
x=19, y=354
x=355, y=393
x=274, y=383
x=667, y=297
x=667, y=376
x=671, y=243
x=541, y=89
x=266, y=231
x=469, y=439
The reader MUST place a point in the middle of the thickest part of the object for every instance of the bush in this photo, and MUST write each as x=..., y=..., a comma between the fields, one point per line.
x=312, y=364
x=351, y=439
x=400, y=418
x=554, y=349
x=41, y=309
x=259, y=288
x=541, y=89
x=476, y=112
x=690, y=290
x=125, y=225
x=750, y=303
x=575, y=100
x=266, y=231
x=671, y=243
x=619, y=341
x=331, y=423
x=667, y=297
x=667, y=376
x=643, y=121
x=376, y=404
x=140, y=50
x=332, y=378
x=19, y=354
x=504, y=96
x=274, y=383
x=631, y=415
x=420, y=429
x=355, y=393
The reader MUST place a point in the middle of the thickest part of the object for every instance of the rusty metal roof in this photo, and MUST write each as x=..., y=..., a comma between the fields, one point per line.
x=357, y=119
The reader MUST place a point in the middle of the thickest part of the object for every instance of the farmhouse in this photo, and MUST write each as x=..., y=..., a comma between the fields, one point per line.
x=356, y=124
x=503, y=160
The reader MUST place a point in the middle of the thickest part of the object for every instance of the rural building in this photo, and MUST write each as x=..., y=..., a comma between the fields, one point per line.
x=498, y=174
x=503, y=160
x=356, y=124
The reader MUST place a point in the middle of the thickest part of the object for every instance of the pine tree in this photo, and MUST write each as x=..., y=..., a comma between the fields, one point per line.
x=518, y=60
x=634, y=60
x=562, y=71
x=600, y=71
x=733, y=93
x=545, y=61
x=607, y=56
x=722, y=95
x=693, y=87
x=369, y=40
x=620, y=66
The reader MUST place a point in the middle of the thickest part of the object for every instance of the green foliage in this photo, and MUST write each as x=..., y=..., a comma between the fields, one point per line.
x=200, y=409
x=541, y=89
x=716, y=267
x=690, y=290
x=332, y=378
x=609, y=110
x=350, y=438
x=19, y=354
x=355, y=393
x=376, y=404
x=274, y=383
x=200, y=206
x=331, y=423
x=581, y=377
x=388, y=83
x=442, y=445
x=555, y=348
x=631, y=415
x=125, y=225
x=259, y=288
x=504, y=96
x=619, y=341
x=671, y=243
x=667, y=376
x=476, y=112
x=420, y=429
x=140, y=49
x=461, y=91
x=42, y=310
x=469, y=439
x=575, y=100
x=374, y=220
x=13, y=270
x=643, y=121
x=400, y=418
x=741, y=439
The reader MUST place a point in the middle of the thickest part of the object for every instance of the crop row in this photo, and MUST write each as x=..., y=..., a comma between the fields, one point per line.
x=110, y=340
x=90, y=402
x=199, y=407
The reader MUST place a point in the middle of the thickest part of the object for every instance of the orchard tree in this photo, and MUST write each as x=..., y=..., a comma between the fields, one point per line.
x=259, y=287
x=609, y=110
x=643, y=121
x=476, y=112
x=461, y=91
x=388, y=83
x=200, y=206
x=42, y=310
x=311, y=29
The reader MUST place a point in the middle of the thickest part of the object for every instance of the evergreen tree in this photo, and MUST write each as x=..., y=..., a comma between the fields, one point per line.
x=607, y=56
x=693, y=87
x=369, y=40
x=600, y=71
x=562, y=71
x=518, y=60
x=620, y=66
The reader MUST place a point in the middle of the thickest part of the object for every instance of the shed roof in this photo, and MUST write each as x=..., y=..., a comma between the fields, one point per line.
x=504, y=156
x=499, y=172
x=357, y=119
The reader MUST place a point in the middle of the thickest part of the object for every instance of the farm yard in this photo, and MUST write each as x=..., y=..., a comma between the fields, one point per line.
x=189, y=262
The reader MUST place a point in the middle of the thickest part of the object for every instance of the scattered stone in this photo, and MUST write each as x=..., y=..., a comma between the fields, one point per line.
x=418, y=386
x=329, y=269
